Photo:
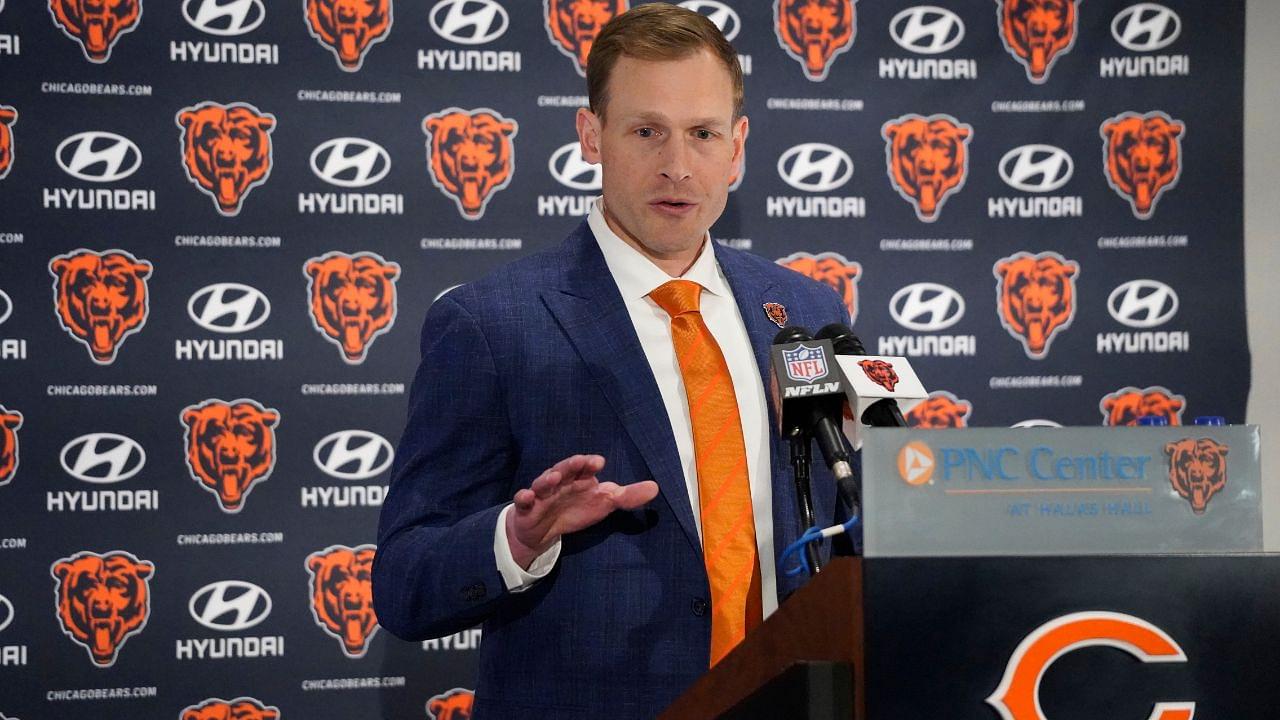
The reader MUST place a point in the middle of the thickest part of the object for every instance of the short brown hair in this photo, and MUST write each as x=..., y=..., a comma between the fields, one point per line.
x=657, y=31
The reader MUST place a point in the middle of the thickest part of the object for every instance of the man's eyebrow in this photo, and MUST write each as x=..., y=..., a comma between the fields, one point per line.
x=657, y=119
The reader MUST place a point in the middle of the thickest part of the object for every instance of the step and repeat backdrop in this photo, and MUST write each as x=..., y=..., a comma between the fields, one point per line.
x=222, y=223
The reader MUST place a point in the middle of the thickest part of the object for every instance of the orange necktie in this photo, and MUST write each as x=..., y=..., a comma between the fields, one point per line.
x=724, y=495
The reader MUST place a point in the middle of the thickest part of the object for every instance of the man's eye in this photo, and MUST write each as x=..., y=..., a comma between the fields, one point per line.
x=704, y=134
x=646, y=132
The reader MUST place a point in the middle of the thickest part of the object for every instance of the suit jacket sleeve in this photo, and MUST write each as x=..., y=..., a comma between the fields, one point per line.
x=435, y=572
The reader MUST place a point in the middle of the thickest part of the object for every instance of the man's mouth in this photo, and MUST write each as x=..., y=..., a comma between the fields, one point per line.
x=673, y=204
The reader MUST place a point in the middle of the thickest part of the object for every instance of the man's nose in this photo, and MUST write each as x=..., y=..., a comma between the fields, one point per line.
x=674, y=160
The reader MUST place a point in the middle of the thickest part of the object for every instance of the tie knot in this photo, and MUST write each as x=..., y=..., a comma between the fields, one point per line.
x=678, y=296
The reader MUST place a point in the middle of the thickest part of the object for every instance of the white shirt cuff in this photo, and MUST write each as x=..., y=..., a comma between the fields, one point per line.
x=515, y=577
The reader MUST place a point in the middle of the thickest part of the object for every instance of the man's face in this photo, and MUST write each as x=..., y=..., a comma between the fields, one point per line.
x=669, y=150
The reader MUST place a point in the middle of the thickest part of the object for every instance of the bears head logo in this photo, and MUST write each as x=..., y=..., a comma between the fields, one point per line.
x=471, y=155
x=231, y=447
x=1037, y=32
x=342, y=595
x=10, y=421
x=573, y=25
x=1143, y=155
x=928, y=159
x=102, y=600
x=776, y=313
x=1197, y=470
x=941, y=409
x=1036, y=295
x=226, y=150
x=833, y=269
x=100, y=298
x=353, y=299
x=96, y=24
x=8, y=117
x=452, y=704
x=1124, y=406
x=241, y=708
x=348, y=27
x=880, y=373
x=814, y=32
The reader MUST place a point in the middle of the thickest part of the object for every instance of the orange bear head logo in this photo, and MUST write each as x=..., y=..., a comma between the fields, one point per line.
x=452, y=704
x=342, y=595
x=471, y=155
x=814, y=32
x=241, y=708
x=573, y=25
x=1143, y=156
x=231, y=447
x=96, y=24
x=776, y=313
x=100, y=298
x=353, y=299
x=349, y=27
x=8, y=117
x=928, y=159
x=1124, y=406
x=880, y=373
x=226, y=150
x=102, y=600
x=833, y=269
x=10, y=421
x=1036, y=297
x=1038, y=32
x=1197, y=470
x=940, y=410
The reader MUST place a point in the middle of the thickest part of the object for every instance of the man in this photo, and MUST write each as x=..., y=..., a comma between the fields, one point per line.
x=590, y=467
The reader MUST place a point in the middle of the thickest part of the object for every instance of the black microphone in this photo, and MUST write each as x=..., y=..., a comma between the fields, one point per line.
x=817, y=415
x=881, y=413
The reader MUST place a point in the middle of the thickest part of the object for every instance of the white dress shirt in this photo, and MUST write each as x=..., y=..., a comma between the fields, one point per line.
x=637, y=276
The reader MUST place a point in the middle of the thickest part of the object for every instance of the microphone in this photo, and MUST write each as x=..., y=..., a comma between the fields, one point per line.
x=884, y=411
x=809, y=394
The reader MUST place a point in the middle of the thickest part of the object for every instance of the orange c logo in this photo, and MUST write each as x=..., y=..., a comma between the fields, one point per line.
x=1018, y=697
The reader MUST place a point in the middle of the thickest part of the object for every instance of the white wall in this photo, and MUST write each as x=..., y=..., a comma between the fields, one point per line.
x=1262, y=241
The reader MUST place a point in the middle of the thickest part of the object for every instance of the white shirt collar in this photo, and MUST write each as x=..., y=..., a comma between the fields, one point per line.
x=636, y=275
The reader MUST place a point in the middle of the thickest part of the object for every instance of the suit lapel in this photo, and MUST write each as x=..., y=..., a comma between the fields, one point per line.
x=590, y=310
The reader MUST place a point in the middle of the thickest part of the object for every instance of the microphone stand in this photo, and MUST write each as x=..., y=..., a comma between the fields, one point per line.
x=801, y=459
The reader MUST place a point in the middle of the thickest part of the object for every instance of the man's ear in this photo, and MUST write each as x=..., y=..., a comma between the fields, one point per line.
x=740, y=128
x=590, y=129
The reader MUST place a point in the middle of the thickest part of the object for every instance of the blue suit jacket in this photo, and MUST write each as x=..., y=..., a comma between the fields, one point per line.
x=521, y=369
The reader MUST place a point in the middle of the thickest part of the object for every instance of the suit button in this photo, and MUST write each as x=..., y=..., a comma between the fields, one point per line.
x=699, y=607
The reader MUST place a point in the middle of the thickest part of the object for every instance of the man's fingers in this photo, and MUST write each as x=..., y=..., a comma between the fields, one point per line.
x=630, y=497
x=546, y=484
x=524, y=500
x=576, y=467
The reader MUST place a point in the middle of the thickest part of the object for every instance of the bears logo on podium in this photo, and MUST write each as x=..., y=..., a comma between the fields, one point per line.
x=1143, y=156
x=1124, y=406
x=226, y=150
x=1036, y=298
x=452, y=704
x=573, y=25
x=100, y=298
x=10, y=421
x=928, y=159
x=342, y=595
x=353, y=299
x=231, y=447
x=96, y=24
x=471, y=155
x=880, y=373
x=102, y=600
x=348, y=27
x=833, y=269
x=241, y=708
x=941, y=409
x=8, y=118
x=1037, y=32
x=1197, y=470
x=814, y=32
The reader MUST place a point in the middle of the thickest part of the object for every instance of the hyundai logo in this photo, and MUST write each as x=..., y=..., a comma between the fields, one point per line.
x=350, y=162
x=1145, y=27
x=1143, y=303
x=230, y=605
x=6, y=612
x=1036, y=168
x=815, y=167
x=353, y=454
x=468, y=22
x=926, y=307
x=224, y=17
x=6, y=307
x=927, y=29
x=228, y=308
x=717, y=12
x=1036, y=423
x=569, y=169
x=102, y=458
x=97, y=156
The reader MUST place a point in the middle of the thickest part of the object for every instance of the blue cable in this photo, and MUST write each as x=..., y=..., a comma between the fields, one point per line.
x=810, y=535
